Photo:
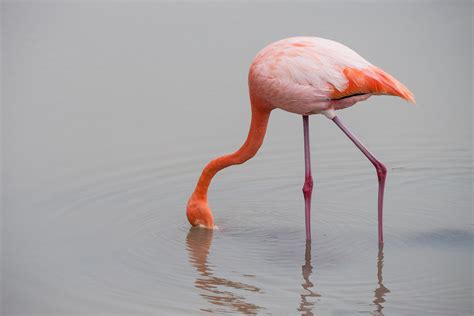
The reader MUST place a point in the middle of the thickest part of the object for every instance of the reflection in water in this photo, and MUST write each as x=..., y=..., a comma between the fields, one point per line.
x=306, y=306
x=198, y=243
x=381, y=291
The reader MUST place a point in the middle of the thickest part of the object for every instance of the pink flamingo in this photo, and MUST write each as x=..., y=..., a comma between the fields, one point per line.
x=302, y=75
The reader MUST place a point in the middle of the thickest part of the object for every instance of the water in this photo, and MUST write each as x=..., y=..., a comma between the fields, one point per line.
x=107, y=125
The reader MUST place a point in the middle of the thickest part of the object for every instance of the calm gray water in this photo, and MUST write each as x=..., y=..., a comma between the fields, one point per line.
x=110, y=111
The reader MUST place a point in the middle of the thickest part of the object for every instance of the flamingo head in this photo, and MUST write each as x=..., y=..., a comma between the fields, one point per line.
x=199, y=213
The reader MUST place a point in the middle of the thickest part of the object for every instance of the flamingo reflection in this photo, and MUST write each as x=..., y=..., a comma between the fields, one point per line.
x=381, y=291
x=306, y=306
x=198, y=242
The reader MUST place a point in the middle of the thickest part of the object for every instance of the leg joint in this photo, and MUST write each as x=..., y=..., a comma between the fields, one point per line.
x=381, y=170
x=308, y=185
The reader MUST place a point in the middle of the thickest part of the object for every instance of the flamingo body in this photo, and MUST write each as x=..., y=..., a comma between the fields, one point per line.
x=311, y=75
x=303, y=75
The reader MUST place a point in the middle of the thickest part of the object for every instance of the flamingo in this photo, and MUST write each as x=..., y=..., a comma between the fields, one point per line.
x=305, y=76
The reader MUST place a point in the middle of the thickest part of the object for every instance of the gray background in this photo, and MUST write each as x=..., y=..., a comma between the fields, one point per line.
x=107, y=104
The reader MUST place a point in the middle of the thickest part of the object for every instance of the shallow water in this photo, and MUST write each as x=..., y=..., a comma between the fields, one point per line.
x=106, y=131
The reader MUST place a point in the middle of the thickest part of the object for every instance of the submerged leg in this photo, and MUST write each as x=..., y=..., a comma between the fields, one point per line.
x=379, y=167
x=308, y=182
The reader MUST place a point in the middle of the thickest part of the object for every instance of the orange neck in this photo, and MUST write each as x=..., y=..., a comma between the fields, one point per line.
x=258, y=127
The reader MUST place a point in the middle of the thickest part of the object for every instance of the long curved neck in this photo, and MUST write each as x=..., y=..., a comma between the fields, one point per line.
x=258, y=127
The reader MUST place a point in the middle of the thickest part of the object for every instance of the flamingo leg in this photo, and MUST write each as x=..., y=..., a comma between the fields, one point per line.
x=308, y=183
x=379, y=167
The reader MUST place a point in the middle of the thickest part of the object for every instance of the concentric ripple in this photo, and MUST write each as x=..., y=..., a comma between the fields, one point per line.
x=119, y=239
